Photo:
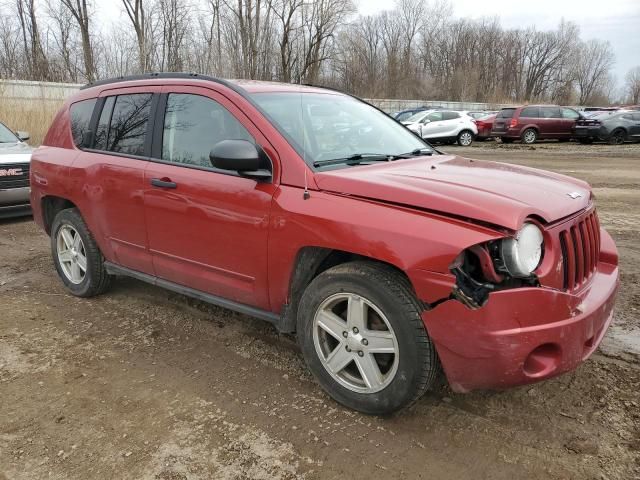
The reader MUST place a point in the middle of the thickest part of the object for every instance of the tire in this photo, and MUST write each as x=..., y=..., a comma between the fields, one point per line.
x=529, y=136
x=399, y=378
x=71, y=242
x=586, y=141
x=506, y=140
x=465, y=138
x=617, y=137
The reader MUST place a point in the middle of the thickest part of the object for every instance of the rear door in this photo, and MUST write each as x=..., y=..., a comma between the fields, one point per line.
x=550, y=122
x=208, y=228
x=569, y=119
x=450, y=124
x=110, y=173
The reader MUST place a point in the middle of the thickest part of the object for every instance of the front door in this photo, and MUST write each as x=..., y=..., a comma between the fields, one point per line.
x=207, y=228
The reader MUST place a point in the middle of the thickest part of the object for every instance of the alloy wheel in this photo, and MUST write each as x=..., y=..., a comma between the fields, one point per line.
x=355, y=343
x=71, y=253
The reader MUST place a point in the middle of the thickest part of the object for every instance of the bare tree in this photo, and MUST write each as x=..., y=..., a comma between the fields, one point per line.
x=632, y=83
x=36, y=61
x=594, y=60
x=81, y=11
x=135, y=10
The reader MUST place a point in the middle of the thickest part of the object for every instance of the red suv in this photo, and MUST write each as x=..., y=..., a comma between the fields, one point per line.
x=322, y=215
x=534, y=122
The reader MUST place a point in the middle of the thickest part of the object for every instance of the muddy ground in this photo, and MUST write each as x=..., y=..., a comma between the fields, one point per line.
x=142, y=383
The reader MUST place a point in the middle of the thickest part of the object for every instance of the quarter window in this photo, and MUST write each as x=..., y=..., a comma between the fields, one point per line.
x=128, y=126
x=80, y=113
x=530, y=112
x=193, y=124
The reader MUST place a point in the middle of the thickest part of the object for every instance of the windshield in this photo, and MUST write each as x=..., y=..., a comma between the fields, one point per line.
x=6, y=135
x=326, y=126
x=416, y=117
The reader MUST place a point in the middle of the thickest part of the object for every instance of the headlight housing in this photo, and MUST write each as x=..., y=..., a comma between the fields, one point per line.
x=521, y=255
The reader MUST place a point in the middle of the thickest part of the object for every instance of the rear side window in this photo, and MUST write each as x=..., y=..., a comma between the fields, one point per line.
x=80, y=113
x=550, y=112
x=450, y=115
x=530, y=112
x=193, y=125
x=128, y=126
x=570, y=114
x=506, y=113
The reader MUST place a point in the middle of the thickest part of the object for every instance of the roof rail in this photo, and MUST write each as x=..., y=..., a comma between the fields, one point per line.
x=153, y=75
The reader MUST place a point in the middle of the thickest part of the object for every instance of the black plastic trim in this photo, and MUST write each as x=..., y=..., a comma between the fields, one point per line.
x=270, y=317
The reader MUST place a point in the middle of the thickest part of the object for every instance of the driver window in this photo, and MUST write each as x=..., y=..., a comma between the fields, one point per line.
x=434, y=116
x=193, y=124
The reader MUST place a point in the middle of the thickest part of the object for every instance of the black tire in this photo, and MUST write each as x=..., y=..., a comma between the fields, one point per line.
x=465, y=138
x=617, y=137
x=96, y=279
x=529, y=136
x=506, y=140
x=391, y=293
x=586, y=141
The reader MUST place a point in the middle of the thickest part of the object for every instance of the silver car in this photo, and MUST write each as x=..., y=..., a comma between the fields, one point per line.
x=15, y=158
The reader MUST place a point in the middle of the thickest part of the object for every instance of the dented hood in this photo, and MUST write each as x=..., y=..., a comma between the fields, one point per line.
x=497, y=193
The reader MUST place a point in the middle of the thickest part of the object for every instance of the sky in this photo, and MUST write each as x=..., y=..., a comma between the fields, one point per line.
x=617, y=21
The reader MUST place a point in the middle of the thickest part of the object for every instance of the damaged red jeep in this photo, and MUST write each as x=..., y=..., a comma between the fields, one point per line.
x=309, y=208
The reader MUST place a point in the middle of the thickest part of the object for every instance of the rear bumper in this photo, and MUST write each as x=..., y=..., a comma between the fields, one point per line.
x=522, y=335
x=14, y=202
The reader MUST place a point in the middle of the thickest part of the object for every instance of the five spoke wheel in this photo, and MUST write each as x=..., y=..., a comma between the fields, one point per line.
x=71, y=254
x=355, y=343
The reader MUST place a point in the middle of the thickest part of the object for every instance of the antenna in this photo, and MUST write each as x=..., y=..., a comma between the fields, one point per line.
x=305, y=195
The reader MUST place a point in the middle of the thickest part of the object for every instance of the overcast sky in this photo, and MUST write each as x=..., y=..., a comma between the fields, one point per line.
x=615, y=20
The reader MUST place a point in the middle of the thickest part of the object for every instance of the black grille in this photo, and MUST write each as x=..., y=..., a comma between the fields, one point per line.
x=14, y=175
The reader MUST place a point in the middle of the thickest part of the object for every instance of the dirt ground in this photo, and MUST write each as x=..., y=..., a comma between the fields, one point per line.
x=145, y=384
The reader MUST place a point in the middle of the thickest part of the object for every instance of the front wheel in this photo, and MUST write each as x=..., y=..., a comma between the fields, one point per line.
x=76, y=255
x=465, y=138
x=361, y=334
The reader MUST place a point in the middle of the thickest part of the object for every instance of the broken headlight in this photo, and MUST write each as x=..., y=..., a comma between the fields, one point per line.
x=521, y=255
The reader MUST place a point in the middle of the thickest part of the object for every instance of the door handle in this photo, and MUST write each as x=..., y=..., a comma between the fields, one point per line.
x=163, y=183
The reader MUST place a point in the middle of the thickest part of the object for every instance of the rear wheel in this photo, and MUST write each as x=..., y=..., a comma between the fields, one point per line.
x=361, y=334
x=76, y=255
x=529, y=136
x=465, y=138
x=617, y=137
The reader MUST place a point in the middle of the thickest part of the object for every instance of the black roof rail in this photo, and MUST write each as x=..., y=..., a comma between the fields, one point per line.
x=154, y=75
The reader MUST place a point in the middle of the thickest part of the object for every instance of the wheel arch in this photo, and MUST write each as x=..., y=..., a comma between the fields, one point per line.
x=51, y=205
x=310, y=262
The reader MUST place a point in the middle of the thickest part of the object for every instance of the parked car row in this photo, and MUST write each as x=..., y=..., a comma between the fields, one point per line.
x=528, y=124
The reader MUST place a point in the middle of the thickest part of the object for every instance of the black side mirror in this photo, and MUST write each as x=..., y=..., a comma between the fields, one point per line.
x=241, y=156
x=22, y=136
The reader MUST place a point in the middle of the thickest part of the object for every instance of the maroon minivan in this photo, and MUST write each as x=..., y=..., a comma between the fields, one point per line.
x=534, y=122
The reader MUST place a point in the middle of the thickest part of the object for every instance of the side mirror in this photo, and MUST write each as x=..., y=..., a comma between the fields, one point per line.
x=22, y=136
x=425, y=121
x=241, y=156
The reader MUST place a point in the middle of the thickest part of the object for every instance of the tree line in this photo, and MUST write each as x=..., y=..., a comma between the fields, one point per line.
x=418, y=49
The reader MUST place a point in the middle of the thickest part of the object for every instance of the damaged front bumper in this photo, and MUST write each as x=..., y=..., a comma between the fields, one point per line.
x=523, y=335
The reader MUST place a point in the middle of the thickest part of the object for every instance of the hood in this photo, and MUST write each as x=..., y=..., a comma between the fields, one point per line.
x=15, y=153
x=496, y=193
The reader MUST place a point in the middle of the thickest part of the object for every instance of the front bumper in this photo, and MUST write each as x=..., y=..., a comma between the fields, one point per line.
x=14, y=202
x=595, y=131
x=522, y=335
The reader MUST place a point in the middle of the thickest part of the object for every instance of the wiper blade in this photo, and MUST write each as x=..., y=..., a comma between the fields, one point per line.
x=355, y=159
x=418, y=152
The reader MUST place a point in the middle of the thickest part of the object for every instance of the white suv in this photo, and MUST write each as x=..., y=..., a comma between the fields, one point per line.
x=444, y=126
